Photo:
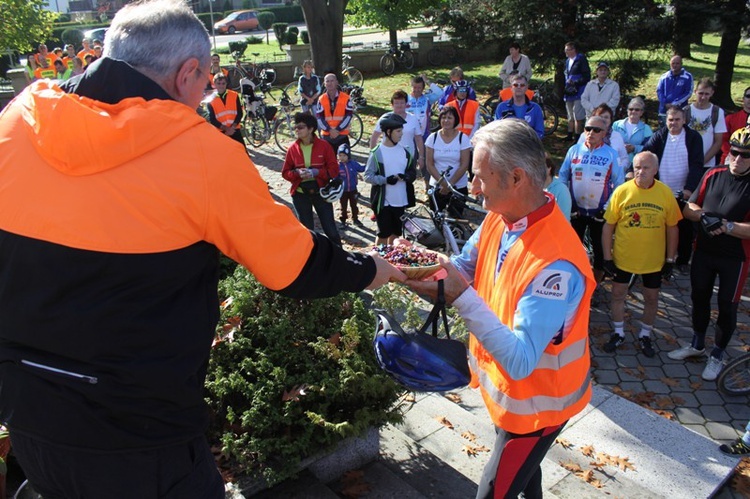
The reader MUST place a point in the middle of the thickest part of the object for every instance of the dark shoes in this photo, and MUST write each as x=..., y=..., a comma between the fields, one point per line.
x=614, y=341
x=646, y=347
x=737, y=448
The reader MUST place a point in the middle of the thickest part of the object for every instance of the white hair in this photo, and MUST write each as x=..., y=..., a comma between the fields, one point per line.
x=512, y=143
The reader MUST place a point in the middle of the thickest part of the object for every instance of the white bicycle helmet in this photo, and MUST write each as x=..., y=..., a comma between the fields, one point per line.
x=333, y=191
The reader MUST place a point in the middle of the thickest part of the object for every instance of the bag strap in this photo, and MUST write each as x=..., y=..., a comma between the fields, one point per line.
x=437, y=310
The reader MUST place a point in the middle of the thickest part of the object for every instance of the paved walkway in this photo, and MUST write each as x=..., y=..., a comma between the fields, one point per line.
x=672, y=389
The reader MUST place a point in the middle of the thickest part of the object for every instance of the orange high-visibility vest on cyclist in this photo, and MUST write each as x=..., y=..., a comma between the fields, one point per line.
x=339, y=111
x=466, y=113
x=559, y=387
x=226, y=113
x=48, y=72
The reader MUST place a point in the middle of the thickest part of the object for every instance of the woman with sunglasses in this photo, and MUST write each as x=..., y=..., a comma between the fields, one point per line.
x=634, y=131
x=721, y=204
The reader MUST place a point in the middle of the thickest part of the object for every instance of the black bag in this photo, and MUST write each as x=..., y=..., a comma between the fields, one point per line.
x=571, y=89
x=310, y=187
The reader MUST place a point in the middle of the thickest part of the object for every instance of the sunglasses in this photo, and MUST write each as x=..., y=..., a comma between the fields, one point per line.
x=594, y=129
x=519, y=84
x=741, y=154
x=635, y=109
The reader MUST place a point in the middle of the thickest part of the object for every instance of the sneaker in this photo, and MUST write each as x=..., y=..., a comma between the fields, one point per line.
x=614, y=341
x=713, y=368
x=646, y=346
x=738, y=448
x=685, y=352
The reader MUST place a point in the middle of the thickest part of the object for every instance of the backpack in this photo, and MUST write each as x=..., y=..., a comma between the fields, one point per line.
x=434, y=138
x=714, y=114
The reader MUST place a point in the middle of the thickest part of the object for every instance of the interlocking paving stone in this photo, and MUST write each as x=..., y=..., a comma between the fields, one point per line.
x=721, y=432
x=689, y=415
x=715, y=413
x=709, y=396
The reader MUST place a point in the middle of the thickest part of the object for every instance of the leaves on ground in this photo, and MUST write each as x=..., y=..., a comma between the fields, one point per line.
x=444, y=421
x=469, y=436
x=473, y=450
x=670, y=381
x=563, y=442
x=696, y=385
x=454, y=397
x=587, y=450
x=354, y=484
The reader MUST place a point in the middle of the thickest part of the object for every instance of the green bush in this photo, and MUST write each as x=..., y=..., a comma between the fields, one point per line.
x=293, y=29
x=72, y=35
x=279, y=29
x=290, y=38
x=238, y=46
x=253, y=40
x=62, y=18
x=206, y=20
x=305, y=37
x=297, y=377
x=287, y=13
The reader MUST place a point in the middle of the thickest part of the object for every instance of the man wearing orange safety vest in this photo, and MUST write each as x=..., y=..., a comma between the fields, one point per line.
x=225, y=110
x=334, y=112
x=468, y=110
x=522, y=284
x=44, y=70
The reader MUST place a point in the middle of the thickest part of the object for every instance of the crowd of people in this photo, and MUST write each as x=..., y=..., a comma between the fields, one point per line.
x=137, y=305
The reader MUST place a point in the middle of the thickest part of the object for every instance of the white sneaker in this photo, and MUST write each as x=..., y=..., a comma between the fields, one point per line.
x=685, y=352
x=713, y=368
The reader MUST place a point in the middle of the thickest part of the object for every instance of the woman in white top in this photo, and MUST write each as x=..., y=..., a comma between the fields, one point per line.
x=448, y=151
x=515, y=63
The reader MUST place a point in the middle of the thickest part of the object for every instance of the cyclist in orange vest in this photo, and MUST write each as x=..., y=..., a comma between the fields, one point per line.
x=334, y=112
x=522, y=284
x=468, y=110
x=225, y=110
x=86, y=50
x=45, y=70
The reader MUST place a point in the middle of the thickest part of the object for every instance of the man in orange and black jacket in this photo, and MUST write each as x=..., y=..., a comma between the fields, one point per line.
x=109, y=263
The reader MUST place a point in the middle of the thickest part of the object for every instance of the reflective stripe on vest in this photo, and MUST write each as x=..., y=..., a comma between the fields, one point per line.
x=466, y=115
x=226, y=112
x=559, y=386
x=529, y=406
x=339, y=111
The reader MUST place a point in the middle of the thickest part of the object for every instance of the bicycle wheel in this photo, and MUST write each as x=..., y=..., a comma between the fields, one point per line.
x=486, y=115
x=492, y=103
x=434, y=56
x=353, y=76
x=292, y=91
x=254, y=130
x=388, y=64
x=407, y=59
x=265, y=72
x=734, y=379
x=283, y=133
x=233, y=79
x=356, y=128
x=551, y=119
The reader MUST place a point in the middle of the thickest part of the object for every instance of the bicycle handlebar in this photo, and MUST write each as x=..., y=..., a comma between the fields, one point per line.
x=455, y=192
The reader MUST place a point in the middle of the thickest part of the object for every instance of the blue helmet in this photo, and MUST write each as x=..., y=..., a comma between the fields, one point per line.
x=419, y=361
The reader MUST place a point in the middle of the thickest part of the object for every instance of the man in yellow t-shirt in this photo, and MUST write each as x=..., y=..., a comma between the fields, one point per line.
x=642, y=214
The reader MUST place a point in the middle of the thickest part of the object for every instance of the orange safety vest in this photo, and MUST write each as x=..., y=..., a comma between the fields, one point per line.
x=339, y=112
x=83, y=53
x=560, y=386
x=226, y=112
x=507, y=94
x=48, y=72
x=466, y=114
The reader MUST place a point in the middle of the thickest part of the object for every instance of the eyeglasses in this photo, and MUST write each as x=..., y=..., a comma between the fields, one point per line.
x=519, y=84
x=594, y=129
x=741, y=154
x=635, y=109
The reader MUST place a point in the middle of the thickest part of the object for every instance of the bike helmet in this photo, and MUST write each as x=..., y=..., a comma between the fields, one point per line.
x=333, y=191
x=461, y=85
x=391, y=121
x=419, y=361
x=741, y=138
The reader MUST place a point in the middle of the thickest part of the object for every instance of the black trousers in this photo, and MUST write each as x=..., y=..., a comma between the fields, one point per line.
x=179, y=471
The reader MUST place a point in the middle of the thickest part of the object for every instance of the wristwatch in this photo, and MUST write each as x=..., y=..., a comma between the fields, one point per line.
x=669, y=260
x=730, y=227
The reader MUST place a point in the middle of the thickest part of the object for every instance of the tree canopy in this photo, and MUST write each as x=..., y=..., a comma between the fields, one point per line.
x=30, y=24
x=391, y=15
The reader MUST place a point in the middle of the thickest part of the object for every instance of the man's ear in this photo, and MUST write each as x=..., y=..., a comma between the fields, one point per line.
x=184, y=79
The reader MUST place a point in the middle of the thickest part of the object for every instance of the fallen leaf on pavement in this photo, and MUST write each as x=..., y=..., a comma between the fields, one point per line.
x=454, y=397
x=564, y=443
x=670, y=381
x=469, y=436
x=587, y=450
x=444, y=421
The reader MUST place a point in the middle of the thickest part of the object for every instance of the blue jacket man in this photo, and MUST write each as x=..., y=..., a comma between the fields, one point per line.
x=675, y=86
x=519, y=106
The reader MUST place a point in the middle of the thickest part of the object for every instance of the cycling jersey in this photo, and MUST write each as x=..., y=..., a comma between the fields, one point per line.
x=591, y=176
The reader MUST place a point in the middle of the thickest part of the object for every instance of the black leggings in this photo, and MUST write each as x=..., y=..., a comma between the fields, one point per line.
x=595, y=232
x=732, y=275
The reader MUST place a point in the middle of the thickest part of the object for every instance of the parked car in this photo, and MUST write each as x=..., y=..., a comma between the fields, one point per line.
x=240, y=20
x=95, y=34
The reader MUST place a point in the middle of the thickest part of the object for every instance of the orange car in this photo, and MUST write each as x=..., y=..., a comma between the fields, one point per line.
x=240, y=20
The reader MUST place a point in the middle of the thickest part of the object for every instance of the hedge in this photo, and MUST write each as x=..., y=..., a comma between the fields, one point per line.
x=287, y=13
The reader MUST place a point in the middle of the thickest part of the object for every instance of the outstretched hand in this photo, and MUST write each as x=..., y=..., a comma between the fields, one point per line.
x=385, y=273
x=454, y=283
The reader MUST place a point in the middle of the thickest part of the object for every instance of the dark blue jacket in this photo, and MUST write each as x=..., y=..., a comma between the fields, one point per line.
x=348, y=173
x=532, y=114
x=578, y=75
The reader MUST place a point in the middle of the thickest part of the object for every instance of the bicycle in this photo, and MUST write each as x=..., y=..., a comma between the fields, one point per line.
x=255, y=125
x=351, y=75
x=283, y=126
x=400, y=54
x=258, y=72
x=438, y=230
x=734, y=379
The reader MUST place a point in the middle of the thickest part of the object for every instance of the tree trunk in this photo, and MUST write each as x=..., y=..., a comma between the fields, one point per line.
x=730, y=41
x=325, y=25
x=682, y=28
x=393, y=37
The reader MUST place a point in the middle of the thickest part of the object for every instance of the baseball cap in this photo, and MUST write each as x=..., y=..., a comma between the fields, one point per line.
x=602, y=64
